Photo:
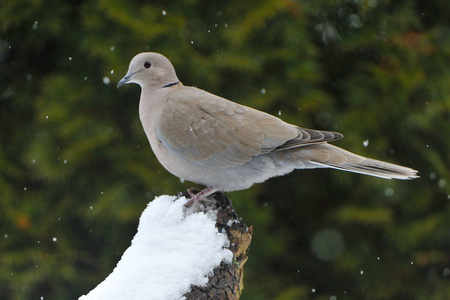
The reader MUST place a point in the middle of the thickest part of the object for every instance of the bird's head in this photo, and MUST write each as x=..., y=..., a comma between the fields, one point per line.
x=150, y=69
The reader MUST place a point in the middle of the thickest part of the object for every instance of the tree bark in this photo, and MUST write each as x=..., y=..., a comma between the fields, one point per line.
x=227, y=279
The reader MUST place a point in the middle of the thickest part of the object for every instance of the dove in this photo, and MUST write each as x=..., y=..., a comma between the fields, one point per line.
x=206, y=139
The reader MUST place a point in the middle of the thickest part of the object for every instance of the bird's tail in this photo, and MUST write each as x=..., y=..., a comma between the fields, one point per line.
x=329, y=156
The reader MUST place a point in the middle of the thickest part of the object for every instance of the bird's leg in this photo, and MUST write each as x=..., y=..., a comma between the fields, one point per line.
x=200, y=196
x=191, y=192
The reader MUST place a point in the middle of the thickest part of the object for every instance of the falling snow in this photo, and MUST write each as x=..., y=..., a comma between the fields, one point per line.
x=389, y=192
x=355, y=21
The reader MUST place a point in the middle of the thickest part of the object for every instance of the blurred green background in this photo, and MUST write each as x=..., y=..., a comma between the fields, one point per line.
x=76, y=170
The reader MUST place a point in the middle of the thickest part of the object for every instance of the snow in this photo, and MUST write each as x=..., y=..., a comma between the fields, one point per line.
x=388, y=192
x=172, y=250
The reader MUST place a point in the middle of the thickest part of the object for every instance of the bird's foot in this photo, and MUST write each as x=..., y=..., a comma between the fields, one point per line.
x=196, y=198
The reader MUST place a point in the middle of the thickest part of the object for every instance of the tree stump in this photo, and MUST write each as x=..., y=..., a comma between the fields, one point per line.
x=227, y=279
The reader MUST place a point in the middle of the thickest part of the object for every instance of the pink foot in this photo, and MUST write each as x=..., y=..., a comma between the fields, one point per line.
x=195, y=198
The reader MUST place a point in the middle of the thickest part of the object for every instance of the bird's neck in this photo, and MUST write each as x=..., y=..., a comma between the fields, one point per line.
x=151, y=105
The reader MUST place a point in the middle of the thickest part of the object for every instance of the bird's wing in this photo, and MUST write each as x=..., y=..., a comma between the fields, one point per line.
x=214, y=132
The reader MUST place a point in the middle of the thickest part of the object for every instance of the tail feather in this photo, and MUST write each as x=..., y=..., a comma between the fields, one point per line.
x=378, y=169
x=326, y=155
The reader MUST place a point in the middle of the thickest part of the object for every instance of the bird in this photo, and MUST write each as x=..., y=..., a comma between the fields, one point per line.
x=225, y=146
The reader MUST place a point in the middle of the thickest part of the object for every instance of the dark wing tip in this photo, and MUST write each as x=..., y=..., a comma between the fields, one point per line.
x=321, y=136
x=309, y=136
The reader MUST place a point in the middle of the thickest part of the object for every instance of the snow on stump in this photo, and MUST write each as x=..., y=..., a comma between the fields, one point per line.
x=179, y=254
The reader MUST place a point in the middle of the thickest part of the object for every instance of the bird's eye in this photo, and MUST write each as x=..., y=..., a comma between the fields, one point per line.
x=147, y=64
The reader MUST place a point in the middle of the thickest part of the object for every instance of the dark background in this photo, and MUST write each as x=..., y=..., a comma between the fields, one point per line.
x=76, y=170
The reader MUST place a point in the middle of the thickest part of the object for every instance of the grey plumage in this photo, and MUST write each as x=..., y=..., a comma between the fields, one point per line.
x=209, y=140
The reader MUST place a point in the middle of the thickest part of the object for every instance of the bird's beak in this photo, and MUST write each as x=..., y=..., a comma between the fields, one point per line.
x=125, y=80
